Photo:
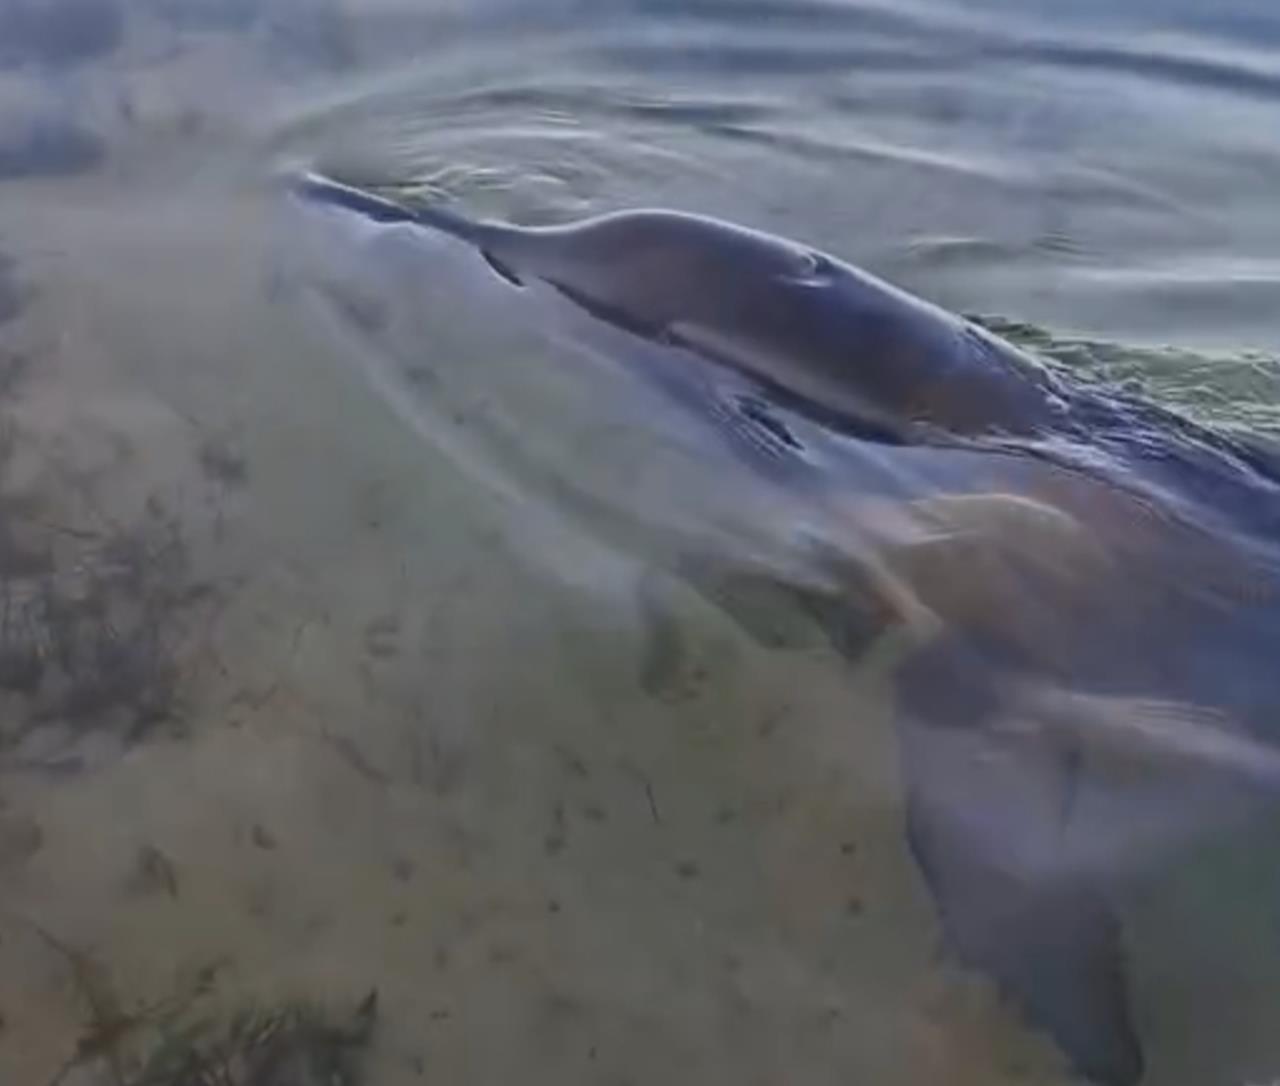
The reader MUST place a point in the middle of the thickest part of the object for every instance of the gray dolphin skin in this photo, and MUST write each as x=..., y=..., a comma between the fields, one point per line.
x=1042, y=762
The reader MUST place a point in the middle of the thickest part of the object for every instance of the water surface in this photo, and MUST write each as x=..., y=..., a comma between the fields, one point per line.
x=294, y=707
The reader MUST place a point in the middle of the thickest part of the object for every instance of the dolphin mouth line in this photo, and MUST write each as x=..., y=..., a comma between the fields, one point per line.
x=502, y=270
x=314, y=187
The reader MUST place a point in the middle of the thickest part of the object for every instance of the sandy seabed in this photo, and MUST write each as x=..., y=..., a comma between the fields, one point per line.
x=290, y=713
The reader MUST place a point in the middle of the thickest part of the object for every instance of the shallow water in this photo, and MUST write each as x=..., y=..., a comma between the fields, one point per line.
x=296, y=705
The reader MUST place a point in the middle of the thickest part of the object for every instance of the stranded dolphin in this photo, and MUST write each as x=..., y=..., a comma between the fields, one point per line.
x=1088, y=578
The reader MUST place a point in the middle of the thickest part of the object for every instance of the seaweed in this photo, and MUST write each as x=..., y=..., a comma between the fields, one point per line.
x=99, y=624
x=179, y=1040
x=102, y=635
x=295, y=1044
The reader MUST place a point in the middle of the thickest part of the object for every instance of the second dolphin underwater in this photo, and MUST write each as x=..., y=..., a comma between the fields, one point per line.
x=1089, y=580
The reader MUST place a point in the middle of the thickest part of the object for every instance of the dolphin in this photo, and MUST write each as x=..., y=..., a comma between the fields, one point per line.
x=779, y=312
x=1086, y=580
x=811, y=337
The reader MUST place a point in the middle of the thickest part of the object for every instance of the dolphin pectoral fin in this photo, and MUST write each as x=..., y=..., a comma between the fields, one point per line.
x=985, y=823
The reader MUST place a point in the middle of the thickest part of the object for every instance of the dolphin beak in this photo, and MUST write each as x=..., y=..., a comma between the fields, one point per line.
x=312, y=187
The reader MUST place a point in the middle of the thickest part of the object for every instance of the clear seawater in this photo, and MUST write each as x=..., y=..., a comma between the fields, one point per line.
x=294, y=708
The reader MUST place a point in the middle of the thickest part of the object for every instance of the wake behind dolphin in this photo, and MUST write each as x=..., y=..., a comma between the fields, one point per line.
x=1089, y=580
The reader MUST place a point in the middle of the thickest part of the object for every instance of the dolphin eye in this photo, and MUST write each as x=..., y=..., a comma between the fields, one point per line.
x=501, y=269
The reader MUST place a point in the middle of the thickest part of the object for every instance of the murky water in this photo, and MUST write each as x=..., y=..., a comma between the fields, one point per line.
x=298, y=708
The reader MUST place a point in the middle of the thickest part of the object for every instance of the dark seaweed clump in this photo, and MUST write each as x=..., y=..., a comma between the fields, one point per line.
x=292, y=1045
x=58, y=31
x=90, y=634
x=100, y=621
x=176, y=1041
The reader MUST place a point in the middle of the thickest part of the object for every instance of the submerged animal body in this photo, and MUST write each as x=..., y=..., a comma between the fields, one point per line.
x=1089, y=578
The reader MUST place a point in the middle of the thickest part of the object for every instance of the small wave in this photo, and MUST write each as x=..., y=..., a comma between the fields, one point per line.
x=1238, y=391
x=1201, y=69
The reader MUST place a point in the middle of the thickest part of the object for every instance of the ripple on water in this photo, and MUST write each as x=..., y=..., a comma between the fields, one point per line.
x=391, y=681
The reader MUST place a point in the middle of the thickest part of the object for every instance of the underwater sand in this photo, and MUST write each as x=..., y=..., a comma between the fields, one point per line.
x=317, y=721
